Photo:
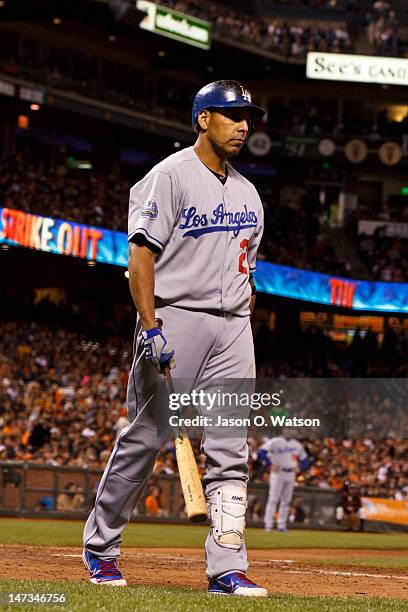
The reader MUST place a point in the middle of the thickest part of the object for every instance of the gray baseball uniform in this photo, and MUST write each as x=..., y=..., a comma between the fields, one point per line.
x=210, y=231
x=208, y=234
x=284, y=454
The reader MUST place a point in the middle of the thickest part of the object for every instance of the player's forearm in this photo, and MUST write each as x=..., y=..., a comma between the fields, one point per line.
x=141, y=282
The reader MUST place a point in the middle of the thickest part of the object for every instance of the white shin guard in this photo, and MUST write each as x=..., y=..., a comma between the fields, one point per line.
x=228, y=505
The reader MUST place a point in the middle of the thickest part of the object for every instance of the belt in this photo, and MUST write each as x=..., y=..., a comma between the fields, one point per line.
x=287, y=469
x=159, y=303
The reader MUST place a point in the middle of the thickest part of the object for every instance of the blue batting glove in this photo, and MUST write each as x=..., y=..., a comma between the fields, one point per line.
x=264, y=457
x=157, y=350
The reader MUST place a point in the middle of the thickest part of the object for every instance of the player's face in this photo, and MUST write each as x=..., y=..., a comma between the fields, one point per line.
x=287, y=433
x=228, y=129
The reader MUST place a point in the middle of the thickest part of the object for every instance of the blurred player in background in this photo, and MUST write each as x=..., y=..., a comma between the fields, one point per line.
x=350, y=507
x=285, y=456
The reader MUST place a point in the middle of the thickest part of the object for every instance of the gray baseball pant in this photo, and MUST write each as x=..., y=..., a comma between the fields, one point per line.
x=281, y=485
x=207, y=346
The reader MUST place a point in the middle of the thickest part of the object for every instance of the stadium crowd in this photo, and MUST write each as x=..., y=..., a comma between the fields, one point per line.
x=382, y=28
x=61, y=396
x=311, y=352
x=114, y=83
x=171, y=98
x=384, y=248
x=54, y=191
x=62, y=399
x=285, y=38
x=303, y=117
x=295, y=235
x=312, y=4
x=155, y=92
x=386, y=258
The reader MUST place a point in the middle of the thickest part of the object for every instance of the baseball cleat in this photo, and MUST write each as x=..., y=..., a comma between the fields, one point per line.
x=282, y=529
x=102, y=571
x=235, y=583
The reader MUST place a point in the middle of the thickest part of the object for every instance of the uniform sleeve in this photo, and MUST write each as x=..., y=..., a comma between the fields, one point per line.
x=301, y=453
x=255, y=240
x=269, y=445
x=153, y=206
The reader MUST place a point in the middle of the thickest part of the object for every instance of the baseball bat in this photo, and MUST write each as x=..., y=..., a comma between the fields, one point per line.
x=191, y=486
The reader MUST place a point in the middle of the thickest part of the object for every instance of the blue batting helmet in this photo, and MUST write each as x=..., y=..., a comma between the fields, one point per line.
x=224, y=94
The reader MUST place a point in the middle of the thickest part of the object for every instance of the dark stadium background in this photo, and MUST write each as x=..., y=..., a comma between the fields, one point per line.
x=67, y=324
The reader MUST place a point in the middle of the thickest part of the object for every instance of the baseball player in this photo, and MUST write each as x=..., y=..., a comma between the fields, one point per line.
x=285, y=455
x=194, y=229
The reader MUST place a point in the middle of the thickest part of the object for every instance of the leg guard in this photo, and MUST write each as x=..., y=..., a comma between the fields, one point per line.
x=228, y=505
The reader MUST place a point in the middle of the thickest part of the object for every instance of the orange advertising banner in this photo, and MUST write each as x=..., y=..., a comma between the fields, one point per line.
x=385, y=510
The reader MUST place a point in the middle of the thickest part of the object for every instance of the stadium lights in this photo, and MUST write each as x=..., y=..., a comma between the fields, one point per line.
x=397, y=112
x=57, y=21
x=126, y=273
x=161, y=54
x=112, y=38
x=34, y=107
x=91, y=263
x=5, y=247
x=84, y=165
x=2, y=3
x=176, y=144
x=79, y=164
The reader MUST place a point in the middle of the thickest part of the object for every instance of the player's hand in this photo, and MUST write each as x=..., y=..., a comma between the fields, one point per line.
x=157, y=350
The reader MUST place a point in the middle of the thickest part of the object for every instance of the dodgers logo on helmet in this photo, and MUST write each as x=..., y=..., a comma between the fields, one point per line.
x=245, y=94
x=150, y=209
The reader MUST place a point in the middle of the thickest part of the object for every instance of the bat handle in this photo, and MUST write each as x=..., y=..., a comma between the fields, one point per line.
x=177, y=430
x=167, y=377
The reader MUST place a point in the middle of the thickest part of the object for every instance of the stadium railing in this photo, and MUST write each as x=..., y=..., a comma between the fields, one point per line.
x=32, y=490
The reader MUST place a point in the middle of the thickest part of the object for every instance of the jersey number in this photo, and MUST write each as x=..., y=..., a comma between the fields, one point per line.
x=244, y=246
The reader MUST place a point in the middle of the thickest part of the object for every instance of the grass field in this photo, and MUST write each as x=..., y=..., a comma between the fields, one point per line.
x=378, y=562
x=144, y=535
x=166, y=599
x=82, y=596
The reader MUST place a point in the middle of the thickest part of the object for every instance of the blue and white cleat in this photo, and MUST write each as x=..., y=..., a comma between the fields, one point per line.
x=282, y=530
x=102, y=571
x=235, y=583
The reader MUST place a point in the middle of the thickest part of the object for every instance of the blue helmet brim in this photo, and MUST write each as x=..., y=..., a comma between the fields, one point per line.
x=256, y=111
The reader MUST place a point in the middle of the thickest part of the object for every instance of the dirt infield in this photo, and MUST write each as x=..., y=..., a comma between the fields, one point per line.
x=281, y=571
